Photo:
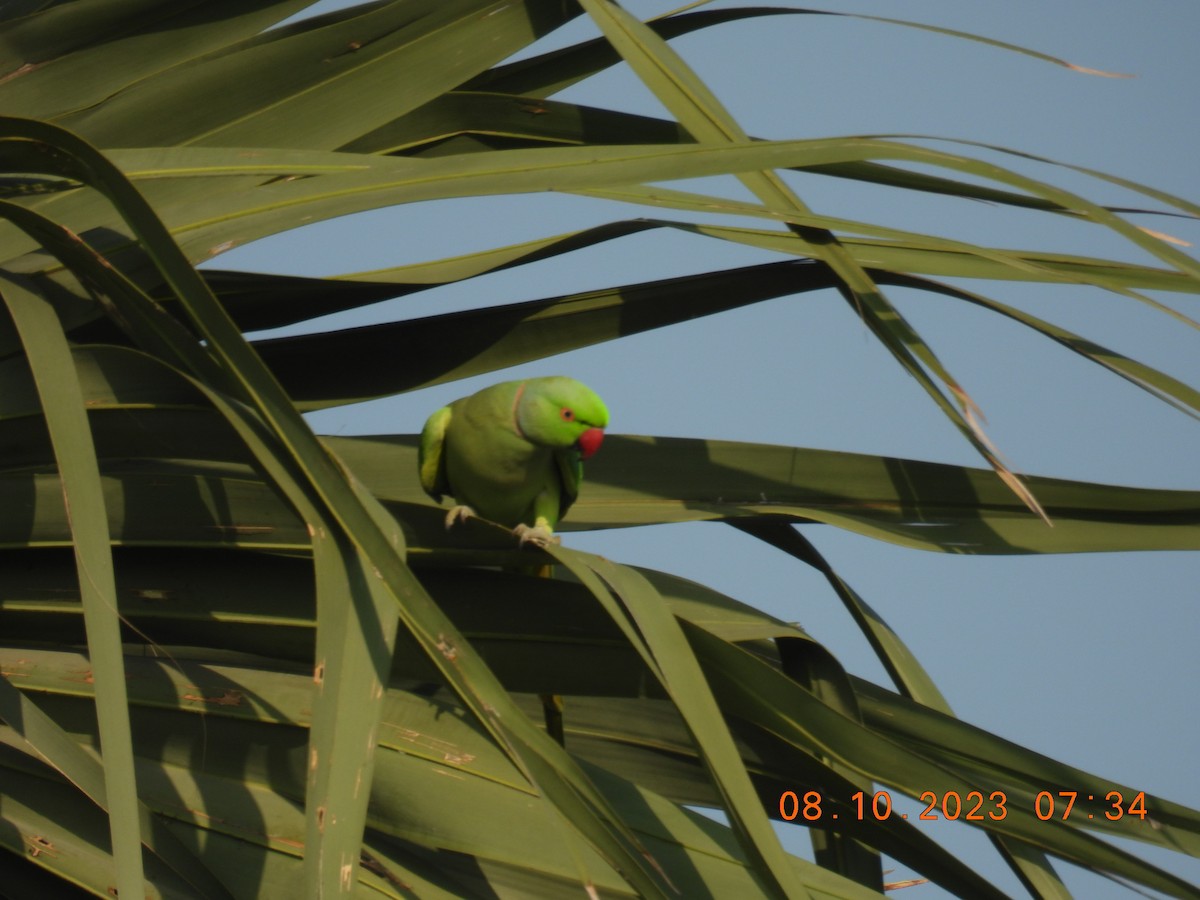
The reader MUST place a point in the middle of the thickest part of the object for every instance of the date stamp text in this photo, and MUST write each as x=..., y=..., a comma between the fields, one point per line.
x=974, y=806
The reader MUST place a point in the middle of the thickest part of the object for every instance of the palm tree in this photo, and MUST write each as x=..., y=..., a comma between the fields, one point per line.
x=239, y=659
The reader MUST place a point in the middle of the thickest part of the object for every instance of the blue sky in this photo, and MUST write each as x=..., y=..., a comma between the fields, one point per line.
x=1089, y=658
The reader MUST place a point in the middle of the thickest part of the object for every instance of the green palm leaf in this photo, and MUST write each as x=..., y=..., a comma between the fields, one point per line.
x=241, y=659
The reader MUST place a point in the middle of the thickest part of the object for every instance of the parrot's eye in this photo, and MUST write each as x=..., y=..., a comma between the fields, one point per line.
x=567, y=414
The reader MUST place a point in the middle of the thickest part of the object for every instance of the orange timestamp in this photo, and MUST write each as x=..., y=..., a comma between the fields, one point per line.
x=953, y=806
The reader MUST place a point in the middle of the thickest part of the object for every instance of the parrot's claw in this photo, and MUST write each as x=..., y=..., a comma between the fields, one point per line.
x=458, y=514
x=538, y=535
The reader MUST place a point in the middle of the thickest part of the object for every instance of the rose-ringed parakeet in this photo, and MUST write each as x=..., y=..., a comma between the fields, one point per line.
x=513, y=452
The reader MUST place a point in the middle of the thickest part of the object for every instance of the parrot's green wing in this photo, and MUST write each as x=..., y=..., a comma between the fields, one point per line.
x=570, y=471
x=431, y=461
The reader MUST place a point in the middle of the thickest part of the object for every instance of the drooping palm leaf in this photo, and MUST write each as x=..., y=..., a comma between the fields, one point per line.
x=281, y=743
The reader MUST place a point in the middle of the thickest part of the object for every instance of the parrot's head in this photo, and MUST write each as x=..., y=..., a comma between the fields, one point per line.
x=560, y=412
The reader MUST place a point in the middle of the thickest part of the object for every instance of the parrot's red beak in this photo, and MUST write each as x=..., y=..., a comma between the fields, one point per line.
x=589, y=442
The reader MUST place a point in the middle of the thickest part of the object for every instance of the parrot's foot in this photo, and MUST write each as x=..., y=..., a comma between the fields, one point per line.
x=458, y=514
x=538, y=535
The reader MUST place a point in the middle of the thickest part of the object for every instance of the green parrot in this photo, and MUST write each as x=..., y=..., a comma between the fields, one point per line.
x=513, y=452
